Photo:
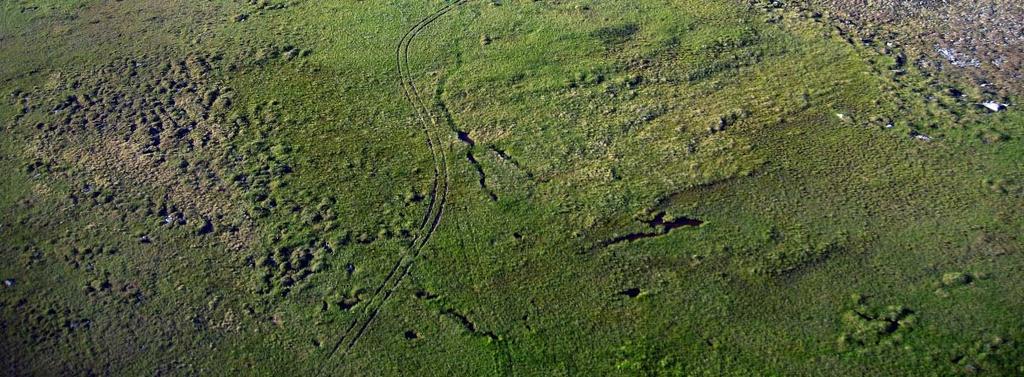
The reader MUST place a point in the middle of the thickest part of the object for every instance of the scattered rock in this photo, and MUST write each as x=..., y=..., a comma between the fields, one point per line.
x=9, y=283
x=955, y=279
x=291, y=54
x=277, y=319
x=957, y=59
x=920, y=136
x=994, y=106
x=979, y=40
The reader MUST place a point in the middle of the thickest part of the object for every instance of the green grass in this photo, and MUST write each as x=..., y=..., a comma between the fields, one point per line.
x=825, y=234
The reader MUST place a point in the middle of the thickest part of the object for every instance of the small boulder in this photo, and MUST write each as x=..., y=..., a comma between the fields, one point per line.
x=955, y=279
x=993, y=106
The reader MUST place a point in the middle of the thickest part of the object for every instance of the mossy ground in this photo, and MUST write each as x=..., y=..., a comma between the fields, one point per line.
x=221, y=187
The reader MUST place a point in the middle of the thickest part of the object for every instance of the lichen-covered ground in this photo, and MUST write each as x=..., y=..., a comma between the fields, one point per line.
x=514, y=187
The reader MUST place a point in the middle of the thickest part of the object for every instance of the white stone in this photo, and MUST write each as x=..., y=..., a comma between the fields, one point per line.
x=994, y=106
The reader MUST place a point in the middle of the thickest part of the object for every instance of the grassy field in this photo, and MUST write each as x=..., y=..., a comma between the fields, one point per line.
x=499, y=187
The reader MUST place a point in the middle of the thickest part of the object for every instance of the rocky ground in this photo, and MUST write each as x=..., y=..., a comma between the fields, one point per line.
x=981, y=41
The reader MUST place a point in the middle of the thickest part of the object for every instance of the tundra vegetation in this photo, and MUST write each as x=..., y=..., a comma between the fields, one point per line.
x=511, y=187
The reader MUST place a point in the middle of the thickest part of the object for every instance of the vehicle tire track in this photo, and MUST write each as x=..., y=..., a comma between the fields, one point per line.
x=436, y=199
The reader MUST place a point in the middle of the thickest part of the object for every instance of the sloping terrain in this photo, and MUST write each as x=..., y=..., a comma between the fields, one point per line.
x=976, y=41
x=512, y=187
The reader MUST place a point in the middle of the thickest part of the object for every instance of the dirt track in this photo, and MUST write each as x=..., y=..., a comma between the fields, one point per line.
x=436, y=199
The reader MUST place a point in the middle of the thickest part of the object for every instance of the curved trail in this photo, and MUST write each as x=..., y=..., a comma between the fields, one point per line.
x=437, y=197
